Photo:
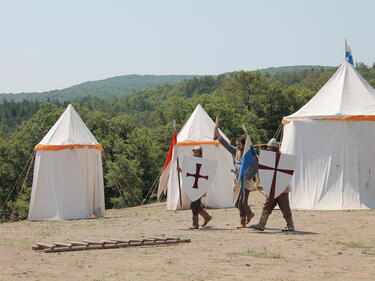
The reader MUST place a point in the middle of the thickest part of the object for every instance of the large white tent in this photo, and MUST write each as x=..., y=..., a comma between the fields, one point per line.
x=332, y=137
x=199, y=130
x=68, y=173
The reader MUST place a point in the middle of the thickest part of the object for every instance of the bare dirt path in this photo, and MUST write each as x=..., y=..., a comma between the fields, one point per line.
x=329, y=245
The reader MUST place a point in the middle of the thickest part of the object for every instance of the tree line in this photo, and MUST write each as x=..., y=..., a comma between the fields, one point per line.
x=135, y=130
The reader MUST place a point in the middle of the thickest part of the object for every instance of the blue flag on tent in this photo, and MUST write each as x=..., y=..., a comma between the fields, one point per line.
x=348, y=53
x=249, y=165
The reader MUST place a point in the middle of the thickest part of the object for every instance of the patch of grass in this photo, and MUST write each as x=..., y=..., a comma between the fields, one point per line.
x=353, y=245
x=263, y=264
x=368, y=253
x=329, y=273
x=315, y=253
x=258, y=254
x=80, y=264
x=149, y=251
x=170, y=262
x=45, y=233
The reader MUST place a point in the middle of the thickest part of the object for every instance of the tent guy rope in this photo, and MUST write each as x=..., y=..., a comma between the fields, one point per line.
x=28, y=163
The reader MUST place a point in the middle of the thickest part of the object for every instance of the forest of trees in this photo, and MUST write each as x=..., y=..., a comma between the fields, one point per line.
x=135, y=130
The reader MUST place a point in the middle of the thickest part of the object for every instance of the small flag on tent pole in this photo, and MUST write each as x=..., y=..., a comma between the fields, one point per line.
x=167, y=167
x=348, y=53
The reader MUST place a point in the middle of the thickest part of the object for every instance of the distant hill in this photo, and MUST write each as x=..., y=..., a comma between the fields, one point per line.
x=296, y=68
x=107, y=88
x=127, y=84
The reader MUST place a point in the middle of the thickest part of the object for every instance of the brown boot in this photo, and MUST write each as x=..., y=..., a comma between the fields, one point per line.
x=289, y=224
x=242, y=222
x=249, y=215
x=195, y=222
x=206, y=217
x=261, y=225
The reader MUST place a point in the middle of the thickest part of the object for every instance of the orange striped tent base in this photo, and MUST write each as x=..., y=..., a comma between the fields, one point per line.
x=47, y=147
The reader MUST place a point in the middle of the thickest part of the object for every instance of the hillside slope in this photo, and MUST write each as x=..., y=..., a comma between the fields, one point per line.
x=107, y=88
x=296, y=68
x=124, y=85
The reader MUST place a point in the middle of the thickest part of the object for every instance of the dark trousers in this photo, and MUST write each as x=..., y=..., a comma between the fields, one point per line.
x=282, y=201
x=242, y=202
x=196, y=207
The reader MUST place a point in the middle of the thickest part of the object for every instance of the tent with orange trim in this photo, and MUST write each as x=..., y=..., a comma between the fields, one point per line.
x=332, y=137
x=68, y=172
x=199, y=130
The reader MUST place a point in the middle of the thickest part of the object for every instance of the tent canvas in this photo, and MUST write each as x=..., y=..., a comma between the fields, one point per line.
x=68, y=175
x=199, y=130
x=332, y=139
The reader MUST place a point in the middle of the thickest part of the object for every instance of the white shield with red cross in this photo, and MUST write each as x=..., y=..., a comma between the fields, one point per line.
x=275, y=171
x=197, y=176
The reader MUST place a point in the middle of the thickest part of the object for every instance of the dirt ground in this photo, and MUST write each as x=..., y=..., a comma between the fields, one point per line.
x=329, y=245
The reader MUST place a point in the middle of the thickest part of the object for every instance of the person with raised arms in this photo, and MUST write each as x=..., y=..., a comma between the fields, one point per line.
x=242, y=200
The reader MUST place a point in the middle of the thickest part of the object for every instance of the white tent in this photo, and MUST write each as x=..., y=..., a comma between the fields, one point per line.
x=68, y=173
x=199, y=130
x=332, y=137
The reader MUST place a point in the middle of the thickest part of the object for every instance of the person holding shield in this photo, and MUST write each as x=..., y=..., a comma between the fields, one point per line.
x=197, y=208
x=238, y=152
x=270, y=204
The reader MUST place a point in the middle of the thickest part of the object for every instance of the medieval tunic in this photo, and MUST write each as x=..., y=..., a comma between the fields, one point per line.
x=282, y=200
x=242, y=201
x=196, y=207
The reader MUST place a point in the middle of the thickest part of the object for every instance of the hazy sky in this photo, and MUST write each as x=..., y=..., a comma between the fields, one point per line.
x=48, y=44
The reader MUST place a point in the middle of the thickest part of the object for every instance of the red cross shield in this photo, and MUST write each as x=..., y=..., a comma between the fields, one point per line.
x=197, y=176
x=275, y=172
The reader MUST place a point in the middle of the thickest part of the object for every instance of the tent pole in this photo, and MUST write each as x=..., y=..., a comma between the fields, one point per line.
x=179, y=183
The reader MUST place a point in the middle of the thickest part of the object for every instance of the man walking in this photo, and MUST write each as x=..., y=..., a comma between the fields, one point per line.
x=282, y=200
x=196, y=206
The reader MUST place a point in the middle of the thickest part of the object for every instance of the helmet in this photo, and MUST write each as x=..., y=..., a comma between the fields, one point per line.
x=197, y=148
x=272, y=143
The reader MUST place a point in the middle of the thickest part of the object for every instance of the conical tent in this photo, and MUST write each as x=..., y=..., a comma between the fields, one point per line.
x=68, y=173
x=332, y=138
x=199, y=130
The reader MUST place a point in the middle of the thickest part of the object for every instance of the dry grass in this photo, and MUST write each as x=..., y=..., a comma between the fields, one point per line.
x=323, y=248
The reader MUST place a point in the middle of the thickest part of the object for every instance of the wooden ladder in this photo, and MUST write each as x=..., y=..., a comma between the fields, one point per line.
x=105, y=244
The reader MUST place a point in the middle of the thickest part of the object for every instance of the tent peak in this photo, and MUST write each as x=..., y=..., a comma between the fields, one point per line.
x=69, y=130
x=198, y=128
x=346, y=94
x=199, y=107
